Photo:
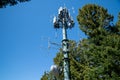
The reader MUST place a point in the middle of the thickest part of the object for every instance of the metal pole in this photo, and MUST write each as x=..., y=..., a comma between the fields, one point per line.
x=65, y=52
x=65, y=19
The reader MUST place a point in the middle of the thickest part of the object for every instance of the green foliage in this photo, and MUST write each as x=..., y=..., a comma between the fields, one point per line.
x=49, y=76
x=93, y=18
x=45, y=76
x=100, y=62
x=98, y=56
x=118, y=23
x=4, y=3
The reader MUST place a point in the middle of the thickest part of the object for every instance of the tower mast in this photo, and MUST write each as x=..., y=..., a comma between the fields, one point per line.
x=64, y=21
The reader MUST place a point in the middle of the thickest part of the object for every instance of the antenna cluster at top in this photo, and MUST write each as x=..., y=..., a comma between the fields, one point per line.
x=63, y=18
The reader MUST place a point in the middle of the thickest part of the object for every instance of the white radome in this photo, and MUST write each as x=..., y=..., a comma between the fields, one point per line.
x=54, y=70
x=53, y=67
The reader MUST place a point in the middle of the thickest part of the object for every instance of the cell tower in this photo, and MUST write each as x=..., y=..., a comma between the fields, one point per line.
x=64, y=21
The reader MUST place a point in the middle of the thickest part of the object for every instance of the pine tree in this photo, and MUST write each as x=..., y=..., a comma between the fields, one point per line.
x=118, y=24
x=45, y=76
x=4, y=3
x=101, y=57
x=93, y=19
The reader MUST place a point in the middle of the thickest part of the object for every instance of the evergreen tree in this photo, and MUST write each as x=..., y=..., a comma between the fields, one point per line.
x=45, y=76
x=4, y=3
x=101, y=58
x=93, y=19
x=118, y=24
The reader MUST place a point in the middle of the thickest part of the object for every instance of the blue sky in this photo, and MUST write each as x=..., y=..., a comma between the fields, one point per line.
x=24, y=32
